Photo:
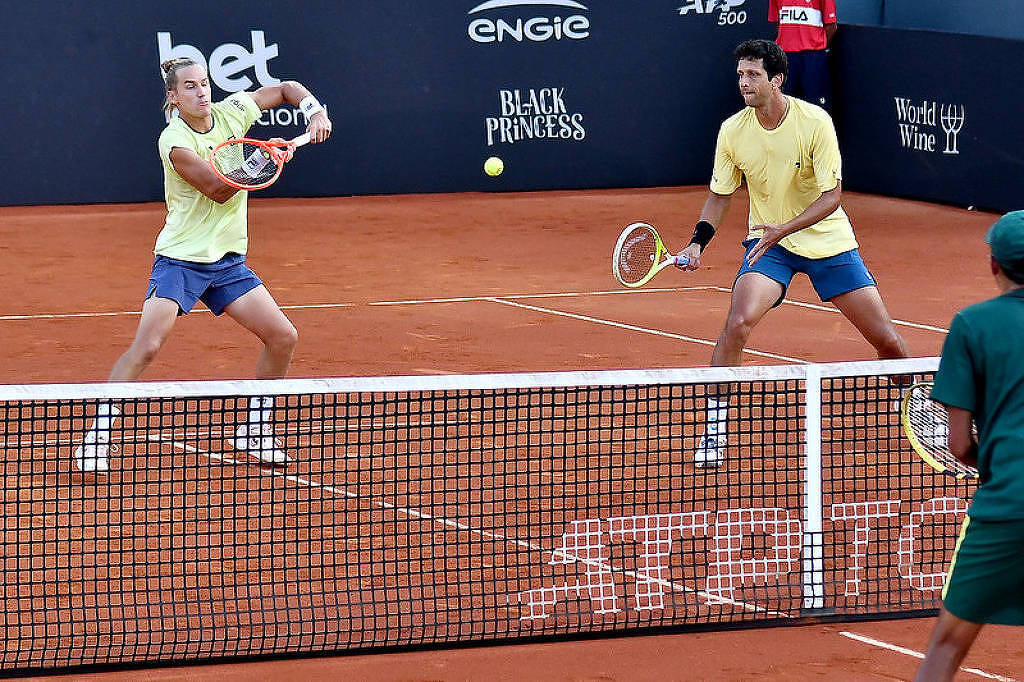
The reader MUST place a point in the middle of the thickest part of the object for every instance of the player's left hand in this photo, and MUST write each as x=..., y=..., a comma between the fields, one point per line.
x=288, y=153
x=770, y=236
x=319, y=127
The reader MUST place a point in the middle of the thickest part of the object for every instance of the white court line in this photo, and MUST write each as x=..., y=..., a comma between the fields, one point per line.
x=918, y=654
x=411, y=301
x=635, y=328
x=469, y=299
x=709, y=598
x=833, y=309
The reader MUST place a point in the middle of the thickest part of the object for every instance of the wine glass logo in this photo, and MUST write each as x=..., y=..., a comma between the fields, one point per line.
x=952, y=119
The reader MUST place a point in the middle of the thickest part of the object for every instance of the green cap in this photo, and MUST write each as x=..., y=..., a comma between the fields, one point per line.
x=1006, y=238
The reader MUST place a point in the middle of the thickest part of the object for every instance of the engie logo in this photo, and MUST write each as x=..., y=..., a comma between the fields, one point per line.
x=230, y=66
x=726, y=15
x=511, y=25
x=919, y=125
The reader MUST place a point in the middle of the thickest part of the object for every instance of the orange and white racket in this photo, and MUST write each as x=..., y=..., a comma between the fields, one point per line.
x=245, y=163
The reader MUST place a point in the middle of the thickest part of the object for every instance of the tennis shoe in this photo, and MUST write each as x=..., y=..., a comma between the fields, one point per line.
x=91, y=455
x=260, y=443
x=709, y=452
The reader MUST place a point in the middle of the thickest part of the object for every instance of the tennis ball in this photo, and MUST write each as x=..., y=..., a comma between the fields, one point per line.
x=493, y=166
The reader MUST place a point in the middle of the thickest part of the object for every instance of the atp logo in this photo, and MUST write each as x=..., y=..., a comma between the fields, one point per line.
x=709, y=6
x=727, y=13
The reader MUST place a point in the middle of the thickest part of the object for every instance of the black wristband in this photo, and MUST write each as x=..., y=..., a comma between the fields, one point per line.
x=702, y=234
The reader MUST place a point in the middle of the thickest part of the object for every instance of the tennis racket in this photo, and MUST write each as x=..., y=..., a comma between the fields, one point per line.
x=926, y=424
x=640, y=254
x=250, y=164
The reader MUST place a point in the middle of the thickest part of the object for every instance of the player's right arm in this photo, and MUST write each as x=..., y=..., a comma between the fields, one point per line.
x=725, y=179
x=713, y=213
x=197, y=172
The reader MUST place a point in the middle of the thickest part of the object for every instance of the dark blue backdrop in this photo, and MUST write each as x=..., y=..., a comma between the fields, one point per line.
x=931, y=115
x=639, y=90
x=409, y=91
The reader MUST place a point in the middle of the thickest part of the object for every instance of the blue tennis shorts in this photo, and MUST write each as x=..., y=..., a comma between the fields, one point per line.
x=830, y=276
x=985, y=583
x=215, y=284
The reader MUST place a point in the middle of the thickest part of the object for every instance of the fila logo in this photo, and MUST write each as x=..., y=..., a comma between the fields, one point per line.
x=793, y=15
x=800, y=15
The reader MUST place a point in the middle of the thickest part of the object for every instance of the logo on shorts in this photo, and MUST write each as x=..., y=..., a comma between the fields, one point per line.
x=509, y=20
x=919, y=125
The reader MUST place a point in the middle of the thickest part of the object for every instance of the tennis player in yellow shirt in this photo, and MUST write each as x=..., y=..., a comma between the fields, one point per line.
x=200, y=252
x=789, y=154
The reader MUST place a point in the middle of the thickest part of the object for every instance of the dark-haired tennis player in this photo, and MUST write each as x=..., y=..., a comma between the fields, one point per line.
x=200, y=252
x=789, y=154
x=981, y=378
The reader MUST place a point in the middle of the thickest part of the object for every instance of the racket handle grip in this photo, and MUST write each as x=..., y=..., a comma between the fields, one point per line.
x=681, y=261
x=301, y=140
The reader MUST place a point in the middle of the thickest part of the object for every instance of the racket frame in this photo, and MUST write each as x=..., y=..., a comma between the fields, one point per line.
x=967, y=472
x=662, y=257
x=278, y=151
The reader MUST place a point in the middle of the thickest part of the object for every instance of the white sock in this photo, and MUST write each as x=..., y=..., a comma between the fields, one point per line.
x=717, y=412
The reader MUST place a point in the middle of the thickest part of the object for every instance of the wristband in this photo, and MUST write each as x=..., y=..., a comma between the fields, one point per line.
x=310, y=106
x=702, y=234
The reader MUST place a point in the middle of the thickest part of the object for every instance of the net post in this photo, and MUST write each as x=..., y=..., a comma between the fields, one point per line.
x=813, y=554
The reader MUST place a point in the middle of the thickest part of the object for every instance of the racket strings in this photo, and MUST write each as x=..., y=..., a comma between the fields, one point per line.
x=246, y=163
x=929, y=422
x=638, y=255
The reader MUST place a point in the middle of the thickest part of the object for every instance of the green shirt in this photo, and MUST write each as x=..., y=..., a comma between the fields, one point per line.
x=787, y=169
x=198, y=229
x=982, y=370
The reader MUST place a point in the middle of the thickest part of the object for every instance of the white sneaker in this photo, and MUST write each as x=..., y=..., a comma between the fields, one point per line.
x=260, y=443
x=709, y=452
x=91, y=455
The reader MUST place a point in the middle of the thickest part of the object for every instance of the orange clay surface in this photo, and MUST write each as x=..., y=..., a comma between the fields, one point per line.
x=469, y=283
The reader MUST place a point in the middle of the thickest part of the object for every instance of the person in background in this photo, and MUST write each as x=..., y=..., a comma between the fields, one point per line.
x=805, y=32
x=981, y=380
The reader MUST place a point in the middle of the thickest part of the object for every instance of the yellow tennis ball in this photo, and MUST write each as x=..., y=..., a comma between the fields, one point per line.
x=493, y=166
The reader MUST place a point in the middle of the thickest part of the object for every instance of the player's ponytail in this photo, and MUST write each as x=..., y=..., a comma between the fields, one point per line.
x=170, y=70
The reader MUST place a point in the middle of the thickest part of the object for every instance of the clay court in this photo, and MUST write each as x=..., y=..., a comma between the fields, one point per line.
x=484, y=283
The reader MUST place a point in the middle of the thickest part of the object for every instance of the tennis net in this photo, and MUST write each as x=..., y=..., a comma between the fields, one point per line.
x=450, y=509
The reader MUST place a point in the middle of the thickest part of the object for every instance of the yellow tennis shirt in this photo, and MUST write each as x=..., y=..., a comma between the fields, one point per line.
x=197, y=228
x=787, y=169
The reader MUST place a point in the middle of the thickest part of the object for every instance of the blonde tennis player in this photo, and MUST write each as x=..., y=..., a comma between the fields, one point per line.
x=788, y=152
x=200, y=252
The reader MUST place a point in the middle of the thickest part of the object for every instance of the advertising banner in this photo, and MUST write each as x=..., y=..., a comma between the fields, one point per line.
x=568, y=94
x=931, y=116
